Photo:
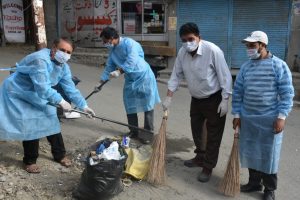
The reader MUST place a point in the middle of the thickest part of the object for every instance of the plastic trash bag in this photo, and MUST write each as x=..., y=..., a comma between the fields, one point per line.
x=103, y=180
x=112, y=152
x=137, y=164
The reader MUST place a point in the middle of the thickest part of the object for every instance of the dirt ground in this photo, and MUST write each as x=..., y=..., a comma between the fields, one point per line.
x=57, y=182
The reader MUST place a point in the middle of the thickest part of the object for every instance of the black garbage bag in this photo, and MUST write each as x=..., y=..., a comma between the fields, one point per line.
x=103, y=180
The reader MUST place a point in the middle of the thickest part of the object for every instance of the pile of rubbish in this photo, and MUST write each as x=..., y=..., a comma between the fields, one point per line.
x=109, y=150
x=101, y=178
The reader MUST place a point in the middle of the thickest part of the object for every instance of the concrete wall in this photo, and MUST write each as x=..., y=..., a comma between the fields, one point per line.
x=294, y=46
x=50, y=20
x=171, y=34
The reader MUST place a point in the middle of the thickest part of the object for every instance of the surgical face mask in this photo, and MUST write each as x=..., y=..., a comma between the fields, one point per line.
x=190, y=46
x=253, y=53
x=61, y=56
x=109, y=45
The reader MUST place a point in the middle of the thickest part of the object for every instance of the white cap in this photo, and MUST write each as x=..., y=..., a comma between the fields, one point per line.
x=257, y=36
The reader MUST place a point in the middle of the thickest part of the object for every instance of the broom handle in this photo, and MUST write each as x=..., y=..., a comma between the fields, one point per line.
x=165, y=114
x=236, y=132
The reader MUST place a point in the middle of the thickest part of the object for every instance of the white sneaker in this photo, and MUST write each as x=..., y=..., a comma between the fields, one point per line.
x=71, y=115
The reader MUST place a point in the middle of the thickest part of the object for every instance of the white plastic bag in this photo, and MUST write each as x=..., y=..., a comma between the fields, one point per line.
x=112, y=152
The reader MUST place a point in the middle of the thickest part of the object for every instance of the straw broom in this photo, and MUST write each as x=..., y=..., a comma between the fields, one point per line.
x=157, y=170
x=230, y=185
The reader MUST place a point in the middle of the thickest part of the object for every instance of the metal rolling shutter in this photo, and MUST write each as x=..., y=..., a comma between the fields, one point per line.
x=212, y=18
x=270, y=16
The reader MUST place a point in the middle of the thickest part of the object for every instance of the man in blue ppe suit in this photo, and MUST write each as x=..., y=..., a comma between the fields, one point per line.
x=24, y=102
x=262, y=98
x=140, y=92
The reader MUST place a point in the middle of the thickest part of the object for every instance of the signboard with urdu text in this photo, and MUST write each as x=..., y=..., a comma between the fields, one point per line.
x=13, y=21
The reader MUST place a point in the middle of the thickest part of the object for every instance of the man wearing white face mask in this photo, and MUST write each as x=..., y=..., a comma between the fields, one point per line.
x=262, y=99
x=203, y=65
x=25, y=97
x=140, y=93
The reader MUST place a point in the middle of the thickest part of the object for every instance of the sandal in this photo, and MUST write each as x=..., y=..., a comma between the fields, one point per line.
x=32, y=169
x=66, y=162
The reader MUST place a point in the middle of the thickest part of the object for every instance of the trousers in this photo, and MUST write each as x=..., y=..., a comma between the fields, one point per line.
x=206, y=109
x=31, y=149
x=148, y=121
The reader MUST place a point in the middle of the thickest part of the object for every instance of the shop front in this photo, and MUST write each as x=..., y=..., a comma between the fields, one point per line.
x=143, y=23
x=143, y=20
x=227, y=22
x=83, y=20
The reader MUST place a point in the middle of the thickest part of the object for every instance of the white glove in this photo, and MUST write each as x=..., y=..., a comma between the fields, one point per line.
x=223, y=107
x=90, y=112
x=167, y=102
x=115, y=74
x=65, y=105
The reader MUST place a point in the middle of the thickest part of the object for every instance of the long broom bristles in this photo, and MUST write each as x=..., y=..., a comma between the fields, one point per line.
x=157, y=170
x=230, y=185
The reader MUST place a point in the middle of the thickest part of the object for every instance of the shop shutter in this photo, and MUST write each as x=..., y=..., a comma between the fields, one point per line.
x=270, y=16
x=212, y=18
x=227, y=22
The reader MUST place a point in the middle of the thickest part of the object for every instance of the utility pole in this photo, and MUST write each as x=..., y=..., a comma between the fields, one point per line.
x=39, y=24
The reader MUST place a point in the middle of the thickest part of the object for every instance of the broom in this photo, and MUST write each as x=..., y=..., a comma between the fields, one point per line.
x=157, y=171
x=230, y=185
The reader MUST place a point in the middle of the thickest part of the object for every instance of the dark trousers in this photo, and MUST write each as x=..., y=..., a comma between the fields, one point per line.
x=202, y=109
x=31, y=149
x=148, y=122
x=268, y=180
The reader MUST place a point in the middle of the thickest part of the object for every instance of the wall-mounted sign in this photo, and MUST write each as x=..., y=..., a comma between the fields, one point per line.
x=13, y=20
x=83, y=21
x=172, y=23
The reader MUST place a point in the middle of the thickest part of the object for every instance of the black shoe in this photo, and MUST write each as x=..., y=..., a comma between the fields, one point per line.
x=194, y=162
x=269, y=195
x=205, y=175
x=251, y=188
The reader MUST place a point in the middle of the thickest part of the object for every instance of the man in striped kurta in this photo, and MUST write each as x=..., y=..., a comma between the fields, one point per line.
x=262, y=98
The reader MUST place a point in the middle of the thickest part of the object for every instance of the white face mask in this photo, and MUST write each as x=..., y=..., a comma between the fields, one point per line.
x=253, y=54
x=190, y=46
x=62, y=57
x=109, y=45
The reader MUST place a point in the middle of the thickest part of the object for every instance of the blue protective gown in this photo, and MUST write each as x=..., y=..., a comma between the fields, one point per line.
x=140, y=92
x=24, y=95
x=262, y=90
